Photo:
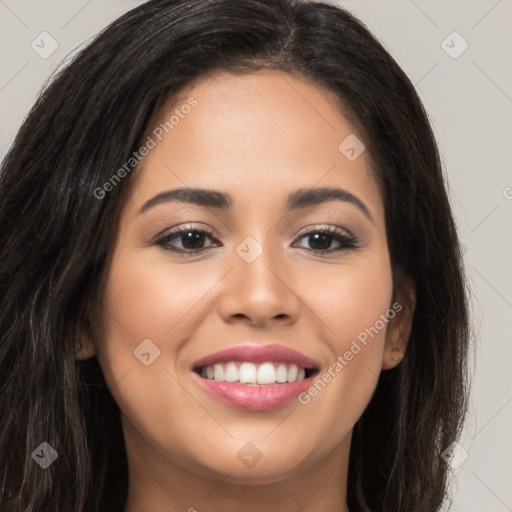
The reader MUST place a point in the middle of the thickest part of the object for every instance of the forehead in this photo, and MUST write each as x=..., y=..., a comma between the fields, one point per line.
x=257, y=136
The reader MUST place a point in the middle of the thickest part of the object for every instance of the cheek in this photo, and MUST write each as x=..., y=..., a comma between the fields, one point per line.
x=353, y=299
x=148, y=299
x=354, y=306
x=143, y=301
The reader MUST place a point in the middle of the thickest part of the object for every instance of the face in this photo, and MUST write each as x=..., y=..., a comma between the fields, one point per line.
x=295, y=285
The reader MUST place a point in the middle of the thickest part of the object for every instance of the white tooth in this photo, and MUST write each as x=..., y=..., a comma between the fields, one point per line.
x=281, y=373
x=203, y=373
x=301, y=375
x=247, y=373
x=292, y=373
x=210, y=372
x=231, y=373
x=218, y=372
x=266, y=374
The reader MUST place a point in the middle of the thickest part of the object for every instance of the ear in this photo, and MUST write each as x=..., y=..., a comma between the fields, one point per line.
x=85, y=346
x=399, y=327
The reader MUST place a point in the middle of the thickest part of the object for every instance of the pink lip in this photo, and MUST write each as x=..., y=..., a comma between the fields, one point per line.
x=256, y=397
x=258, y=354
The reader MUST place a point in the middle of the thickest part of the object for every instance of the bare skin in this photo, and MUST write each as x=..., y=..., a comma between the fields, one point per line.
x=257, y=138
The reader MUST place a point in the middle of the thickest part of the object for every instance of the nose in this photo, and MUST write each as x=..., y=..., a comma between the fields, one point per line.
x=259, y=293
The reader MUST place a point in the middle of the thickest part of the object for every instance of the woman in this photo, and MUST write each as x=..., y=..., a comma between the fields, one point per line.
x=178, y=331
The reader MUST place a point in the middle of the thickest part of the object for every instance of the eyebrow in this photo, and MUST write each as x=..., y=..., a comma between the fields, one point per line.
x=301, y=198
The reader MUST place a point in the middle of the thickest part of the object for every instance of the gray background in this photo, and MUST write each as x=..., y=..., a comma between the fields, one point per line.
x=469, y=100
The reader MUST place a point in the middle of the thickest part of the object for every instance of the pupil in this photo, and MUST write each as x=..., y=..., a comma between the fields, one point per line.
x=191, y=238
x=322, y=237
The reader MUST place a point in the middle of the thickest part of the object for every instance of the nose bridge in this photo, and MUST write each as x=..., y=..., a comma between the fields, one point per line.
x=258, y=285
x=257, y=263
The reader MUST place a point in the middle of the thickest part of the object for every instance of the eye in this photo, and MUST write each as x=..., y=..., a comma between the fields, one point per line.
x=190, y=237
x=191, y=240
x=321, y=239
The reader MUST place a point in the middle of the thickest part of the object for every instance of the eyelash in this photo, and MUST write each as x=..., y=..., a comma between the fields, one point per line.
x=348, y=242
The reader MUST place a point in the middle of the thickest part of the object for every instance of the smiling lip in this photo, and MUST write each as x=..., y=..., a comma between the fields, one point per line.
x=258, y=354
x=255, y=397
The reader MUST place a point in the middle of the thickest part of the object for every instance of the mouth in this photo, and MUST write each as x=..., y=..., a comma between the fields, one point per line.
x=255, y=378
x=255, y=374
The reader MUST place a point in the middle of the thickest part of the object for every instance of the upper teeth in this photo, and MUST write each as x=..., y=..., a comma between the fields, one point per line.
x=254, y=373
